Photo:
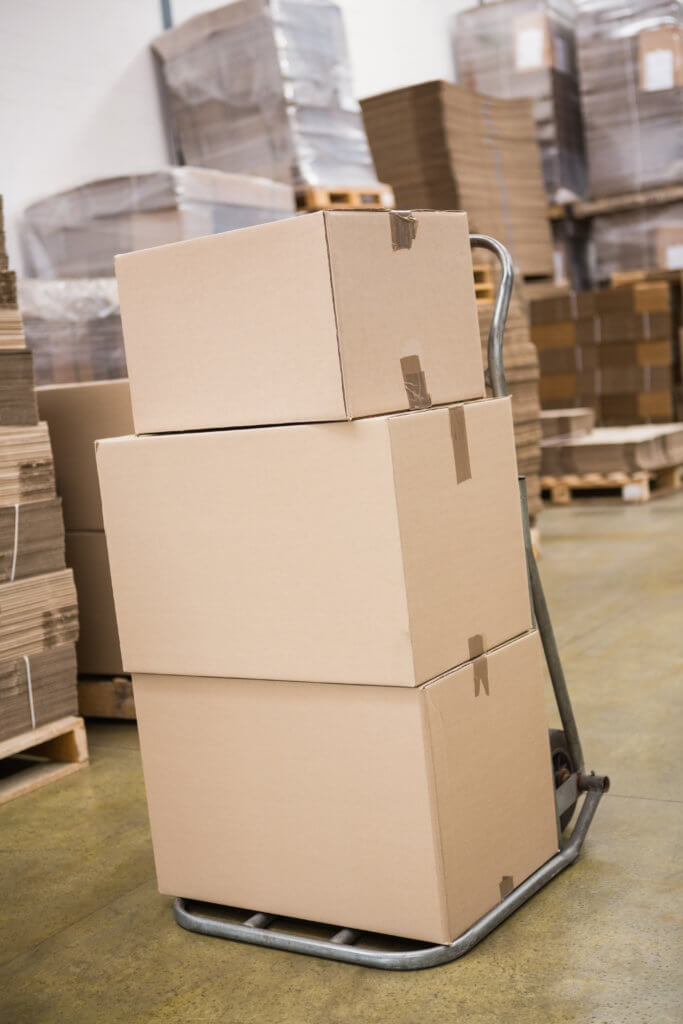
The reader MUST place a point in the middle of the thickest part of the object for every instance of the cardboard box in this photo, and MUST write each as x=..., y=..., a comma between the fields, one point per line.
x=567, y=422
x=98, y=648
x=331, y=316
x=385, y=551
x=409, y=812
x=77, y=416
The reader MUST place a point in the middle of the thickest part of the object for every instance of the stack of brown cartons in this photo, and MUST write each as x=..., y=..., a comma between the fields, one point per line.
x=612, y=349
x=78, y=415
x=316, y=551
x=526, y=48
x=38, y=611
x=520, y=360
x=441, y=146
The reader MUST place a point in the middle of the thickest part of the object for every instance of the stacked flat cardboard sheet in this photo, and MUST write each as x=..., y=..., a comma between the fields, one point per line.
x=73, y=328
x=631, y=73
x=17, y=396
x=612, y=349
x=76, y=234
x=38, y=611
x=37, y=689
x=78, y=415
x=324, y=569
x=520, y=361
x=31, y=539
x=616, y=449
x=526, y=48
x=441, y=146
x=26, y=468
x=568, y=422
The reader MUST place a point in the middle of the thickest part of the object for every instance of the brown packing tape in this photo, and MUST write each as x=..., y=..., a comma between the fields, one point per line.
x=506, y=885
x=461, y=451
x=415, y=383
x=476, y=645
x=403, y=230
x=481, y=675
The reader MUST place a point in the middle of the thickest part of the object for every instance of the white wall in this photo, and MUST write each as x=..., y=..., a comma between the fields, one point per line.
x=78, y=96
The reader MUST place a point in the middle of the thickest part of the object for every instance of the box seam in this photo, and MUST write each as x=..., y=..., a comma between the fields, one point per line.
x=335, y=313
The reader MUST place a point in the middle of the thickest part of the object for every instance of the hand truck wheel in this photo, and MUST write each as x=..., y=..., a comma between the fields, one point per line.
x=563, y=767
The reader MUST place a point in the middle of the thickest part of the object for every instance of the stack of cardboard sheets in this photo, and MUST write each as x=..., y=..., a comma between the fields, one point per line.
x=262, y=87
x=38, y=610
x=520, y=360
x=526, y=48
x=612, y=349
x=441, y=146
x=78, y=415
x=320, y=544
x=615, y=449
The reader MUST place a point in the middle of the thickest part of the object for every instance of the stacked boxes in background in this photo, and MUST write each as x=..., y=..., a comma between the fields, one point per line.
x=78, y=233
x=631, y=68
x=442, y=147
x=73, y=328
x=614, y=350
x=38, y=610
x=520, y=48
x=341, y=579
x=78, y=415
x=264, y=87
x=520, y=360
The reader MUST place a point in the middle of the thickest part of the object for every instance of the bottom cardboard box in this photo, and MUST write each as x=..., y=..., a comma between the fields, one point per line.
x=404, y=811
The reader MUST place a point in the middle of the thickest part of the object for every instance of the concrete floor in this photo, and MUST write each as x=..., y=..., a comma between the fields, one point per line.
x=86, y=939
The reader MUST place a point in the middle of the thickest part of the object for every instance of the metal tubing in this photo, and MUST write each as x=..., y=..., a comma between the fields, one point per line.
x=500, y=312
x=417, y=959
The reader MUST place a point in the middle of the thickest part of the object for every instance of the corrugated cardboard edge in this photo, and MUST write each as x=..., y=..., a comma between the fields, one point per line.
x=335, y=313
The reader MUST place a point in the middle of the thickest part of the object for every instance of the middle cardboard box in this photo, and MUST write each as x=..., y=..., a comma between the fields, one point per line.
x=382, y=551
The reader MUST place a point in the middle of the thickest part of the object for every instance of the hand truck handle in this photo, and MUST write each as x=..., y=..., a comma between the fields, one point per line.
x=496, y=371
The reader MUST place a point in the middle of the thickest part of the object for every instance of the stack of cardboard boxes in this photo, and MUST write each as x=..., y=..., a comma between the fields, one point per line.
x=442, y=147
x=520, y=359
x=318, y=567
x=38, y=611
x=78, y=415
x=613, y=350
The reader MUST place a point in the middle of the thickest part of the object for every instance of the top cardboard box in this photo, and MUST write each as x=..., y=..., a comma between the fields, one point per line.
x=328, y=316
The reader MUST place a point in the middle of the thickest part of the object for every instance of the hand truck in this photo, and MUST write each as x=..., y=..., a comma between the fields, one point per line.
x=567, y=761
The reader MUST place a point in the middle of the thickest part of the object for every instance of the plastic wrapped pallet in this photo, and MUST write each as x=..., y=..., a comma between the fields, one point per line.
x=631, y=73
x=441, y=146
x=77, y=233
x=644, y=238
x=73, y=328
x=520, y=48
x=264, y=87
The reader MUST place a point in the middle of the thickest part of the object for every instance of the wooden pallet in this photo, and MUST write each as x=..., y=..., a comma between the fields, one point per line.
x=484, y=288
x=581, y=209
x=106, y=697
x=343, y=197
x=628, y=487
x=42, y=755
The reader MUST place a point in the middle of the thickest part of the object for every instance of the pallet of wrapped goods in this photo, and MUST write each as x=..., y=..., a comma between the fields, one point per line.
x=441, y=146
x=73, y=328
x=525, y=48
x=261, y=88
x=631, y=74
x=77, y=233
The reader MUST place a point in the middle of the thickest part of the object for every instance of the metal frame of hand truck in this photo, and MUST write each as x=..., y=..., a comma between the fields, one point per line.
x=346, y=944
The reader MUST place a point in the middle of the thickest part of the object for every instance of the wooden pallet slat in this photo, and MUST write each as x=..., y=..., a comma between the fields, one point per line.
x=635, y=487
x=42, y=755
x=344, y=197
x=106, y=697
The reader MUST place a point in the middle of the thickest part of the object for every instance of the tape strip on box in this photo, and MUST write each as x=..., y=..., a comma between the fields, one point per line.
x=461, y=450
x=415, y=383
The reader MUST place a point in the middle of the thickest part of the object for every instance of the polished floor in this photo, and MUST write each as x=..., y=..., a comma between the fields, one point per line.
x=86, y=939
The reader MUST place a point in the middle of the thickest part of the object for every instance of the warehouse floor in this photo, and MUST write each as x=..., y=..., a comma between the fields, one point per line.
x=86, y=939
